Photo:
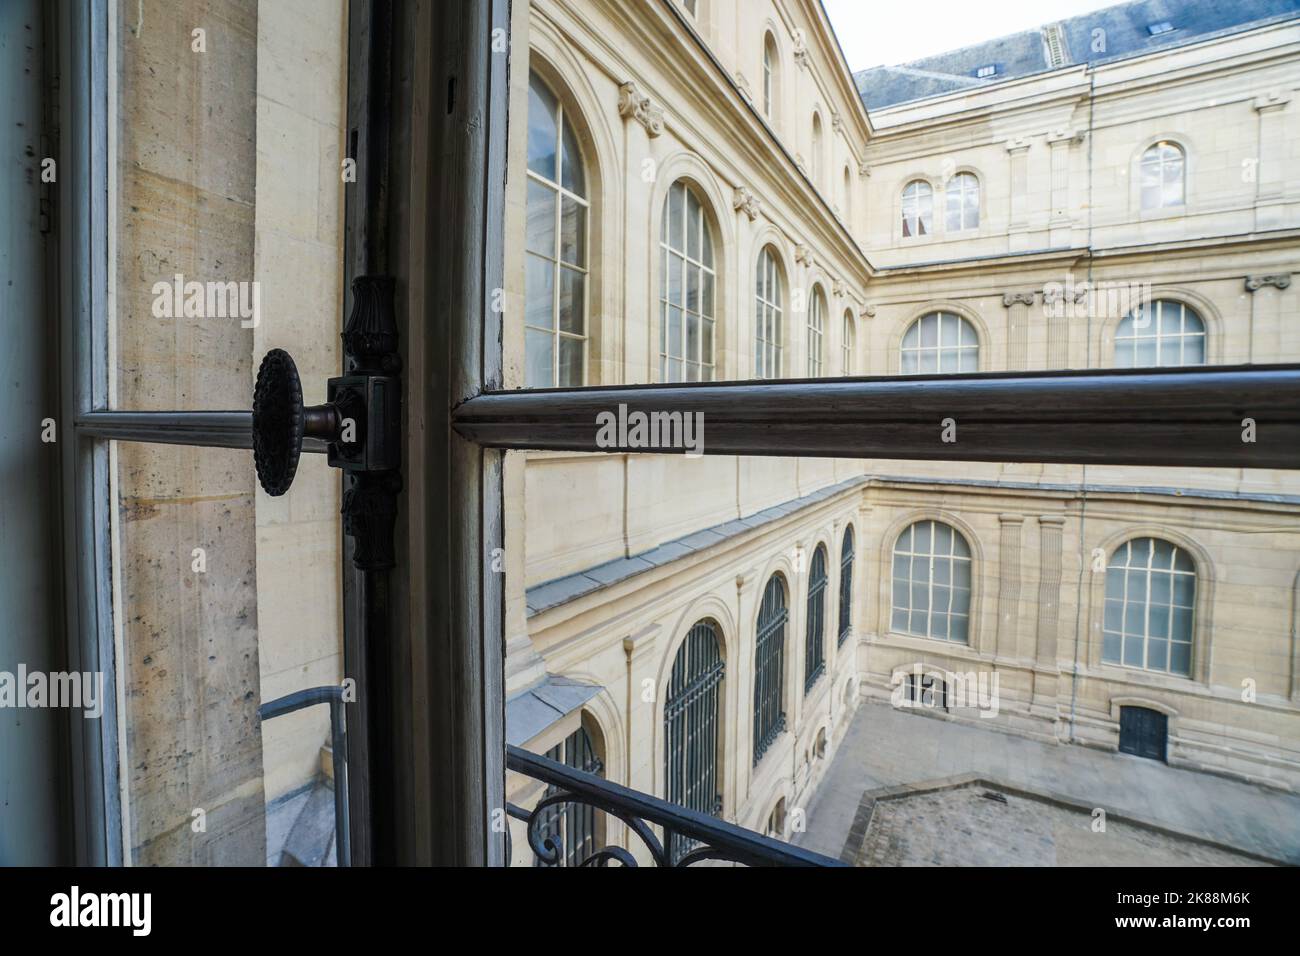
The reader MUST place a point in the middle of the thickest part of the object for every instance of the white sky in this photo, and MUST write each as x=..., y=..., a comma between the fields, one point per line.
x=887, y=32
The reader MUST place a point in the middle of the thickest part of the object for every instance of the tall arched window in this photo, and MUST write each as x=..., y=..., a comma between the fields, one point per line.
x=771, y=74
x=769, y=299
x=847, y=343
x=1150, y=603
x=555, y=280
x=574, y=824
x=686, y=289
x=846, y=584
x=962, y=195
x=848, y=195
x=691, y=724
x=918, y=209
x=940, y=343
x=817, y=147
x=769, y=667
x=1160, y=333
x=814, y=654
x=932, y=583
x=1162, y=173
x=816, y=333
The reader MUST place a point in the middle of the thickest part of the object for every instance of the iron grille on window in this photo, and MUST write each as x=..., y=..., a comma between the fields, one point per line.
x=691, y=729
x=574, y=824
x=769, y=667
x=846, y=585
x=814, y=649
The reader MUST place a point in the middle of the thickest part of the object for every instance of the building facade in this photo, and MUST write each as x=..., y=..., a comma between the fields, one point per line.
x=697, y=192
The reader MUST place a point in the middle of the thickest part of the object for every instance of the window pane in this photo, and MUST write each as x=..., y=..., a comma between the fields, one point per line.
x=540, y=350
x=539, y=298
x=542, y=133
x=572, y=301
x=574, y=178
x=541, y=219
x=573, y=232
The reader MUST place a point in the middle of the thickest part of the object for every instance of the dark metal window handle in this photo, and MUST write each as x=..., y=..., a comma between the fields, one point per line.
x=360, y=421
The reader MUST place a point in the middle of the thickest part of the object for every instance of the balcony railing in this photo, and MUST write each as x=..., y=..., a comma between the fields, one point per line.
x=642, y=813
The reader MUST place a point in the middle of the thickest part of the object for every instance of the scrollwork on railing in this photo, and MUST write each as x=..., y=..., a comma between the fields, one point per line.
x=713, y=839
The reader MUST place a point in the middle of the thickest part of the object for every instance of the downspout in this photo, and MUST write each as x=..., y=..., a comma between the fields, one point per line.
x=1084, y=563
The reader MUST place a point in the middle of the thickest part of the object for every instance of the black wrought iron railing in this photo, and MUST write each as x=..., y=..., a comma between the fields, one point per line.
x=643, y=815
x=332, y=695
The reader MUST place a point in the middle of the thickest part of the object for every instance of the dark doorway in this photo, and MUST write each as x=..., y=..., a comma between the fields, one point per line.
x=1143, y=732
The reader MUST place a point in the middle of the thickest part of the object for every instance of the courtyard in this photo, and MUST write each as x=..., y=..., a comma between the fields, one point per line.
x=929, y=778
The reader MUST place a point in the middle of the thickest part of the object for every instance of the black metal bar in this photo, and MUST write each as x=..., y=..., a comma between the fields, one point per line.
x=1173, y=417
x=726, y=840
x=310, y=697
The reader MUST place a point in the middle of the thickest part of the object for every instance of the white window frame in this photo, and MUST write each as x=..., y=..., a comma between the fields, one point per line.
x=930, y=555
x=1148, y=572
x=557, y=264
x=965, y=346
x=1128, y=334
x=956, y=192
x=707, y=320
x=768, y=314
x=918, y=209
x=816, y=334
x=1168, y=161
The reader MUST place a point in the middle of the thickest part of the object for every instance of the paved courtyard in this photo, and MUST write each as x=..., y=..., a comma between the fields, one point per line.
x=888, y=748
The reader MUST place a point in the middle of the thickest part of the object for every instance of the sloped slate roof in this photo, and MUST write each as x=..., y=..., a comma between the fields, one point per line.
x=1023, y=54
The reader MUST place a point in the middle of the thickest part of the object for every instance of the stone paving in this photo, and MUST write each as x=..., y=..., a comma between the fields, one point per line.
x=889, y=748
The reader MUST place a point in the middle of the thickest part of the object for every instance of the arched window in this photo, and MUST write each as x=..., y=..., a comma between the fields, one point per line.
x=771, y=73
x=963, y=198
x=817, y=150
x=776, y=820
x=918, y=209
x=1162, y=175
x=848, y=195
x=573, y=824
x=847, y=343
x=555, y=280
x=1160, y=333
x=691, y=723
x=769, y=297
x=686, y=289
x=846, y=584
x=769, y=667
x=940, y=343
x=816, y=333
x=814, y=655
x=932, y=583
x=1150, y=601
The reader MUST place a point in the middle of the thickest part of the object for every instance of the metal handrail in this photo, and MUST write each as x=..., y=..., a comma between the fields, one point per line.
x=717, y=839
x=332, y=695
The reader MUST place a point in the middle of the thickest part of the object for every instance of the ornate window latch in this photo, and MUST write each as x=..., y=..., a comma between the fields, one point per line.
x=360, y=422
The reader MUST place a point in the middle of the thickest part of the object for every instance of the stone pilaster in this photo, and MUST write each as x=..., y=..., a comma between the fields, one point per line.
x=1009, y=574
x=1046, y=671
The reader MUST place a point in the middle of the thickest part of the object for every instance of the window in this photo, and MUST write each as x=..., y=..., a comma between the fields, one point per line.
x=1143, y=732
x=1162, y=176
x=1150, y=597
x=769, y=667
x=932, y=583
x=846, y=584
x=940, y=343
x=686, y=296
x=1161, y=28
x=691, y=722
x=768, y=298
x=1160, y=334
x=918, y=209
x=769, y=75
x=814, y=649
x=573, y=823
x=555, y=283
x=776, y=820
x=848, y=342
x=963, y=202
x=816, y=328
x=848, y=195
x=817, y=150
x=690, y=6
x=986, y=71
